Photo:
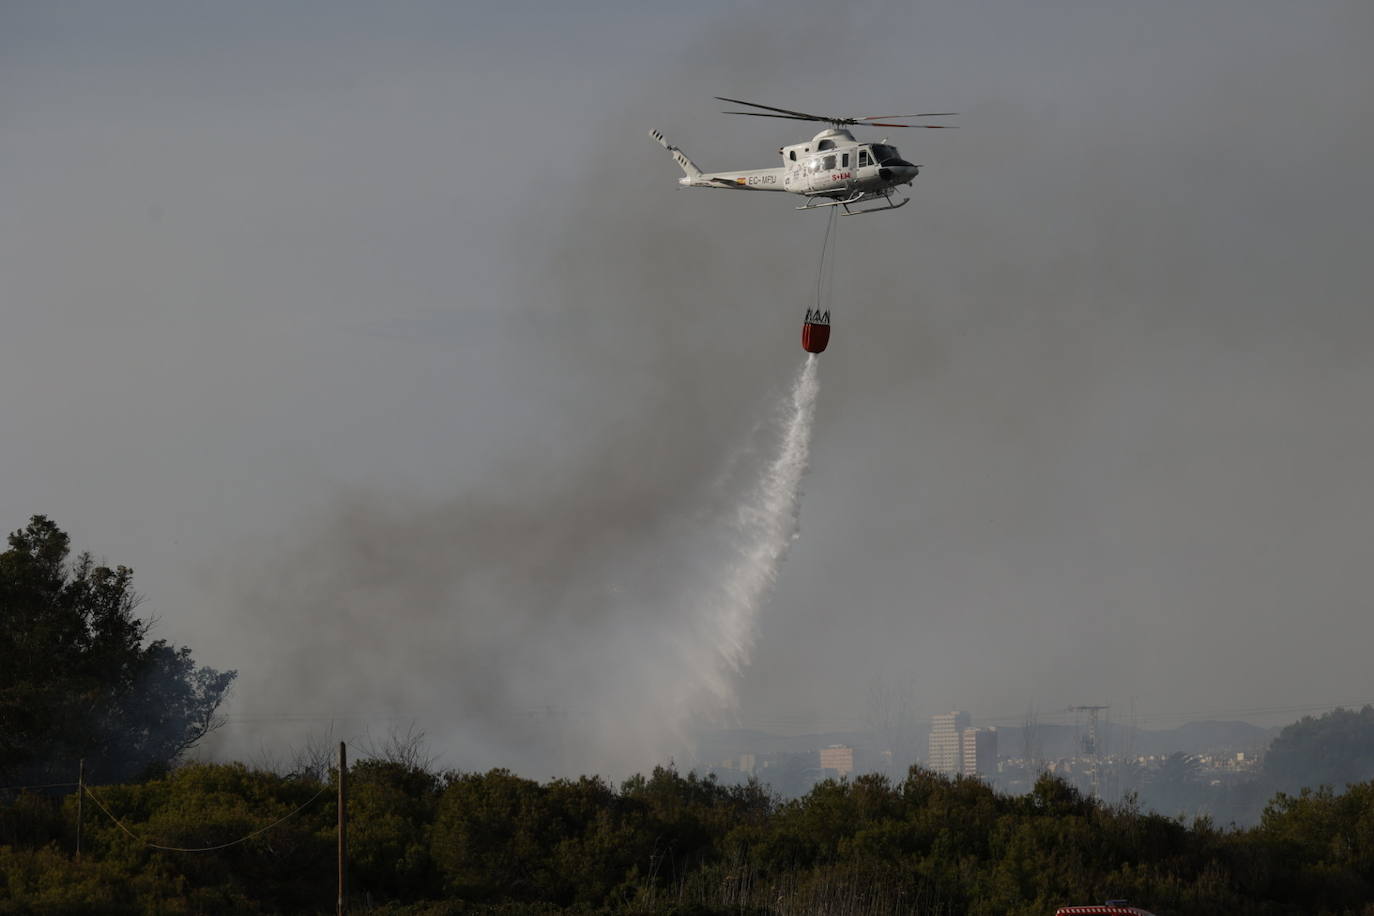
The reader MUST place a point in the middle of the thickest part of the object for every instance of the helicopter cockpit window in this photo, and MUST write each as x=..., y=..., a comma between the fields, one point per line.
x=883, y=153
x=829, y=162
x=825, y=144
x=863, y=158
x=844, y=160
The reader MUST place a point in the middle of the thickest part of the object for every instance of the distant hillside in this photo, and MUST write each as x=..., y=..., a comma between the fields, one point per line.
x=1209, y=737
x=1203, y=737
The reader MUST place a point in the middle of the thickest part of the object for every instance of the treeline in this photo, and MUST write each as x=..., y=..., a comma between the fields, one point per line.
x=80, y=678
x=431, y=843
x=1333, y=749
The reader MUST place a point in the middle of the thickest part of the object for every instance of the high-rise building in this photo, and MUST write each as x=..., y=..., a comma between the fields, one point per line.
x=979, y=751
x=838, y=758
x=945, y=745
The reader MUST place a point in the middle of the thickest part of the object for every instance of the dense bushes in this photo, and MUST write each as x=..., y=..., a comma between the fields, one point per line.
x=666, y=843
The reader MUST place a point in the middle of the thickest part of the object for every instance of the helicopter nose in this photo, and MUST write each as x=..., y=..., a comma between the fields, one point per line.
x=898, y=170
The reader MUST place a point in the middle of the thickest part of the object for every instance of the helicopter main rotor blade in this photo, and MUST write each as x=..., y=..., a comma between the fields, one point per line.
x=927, y=126
x=787, y=111
x=759, y=114
x=928, y=114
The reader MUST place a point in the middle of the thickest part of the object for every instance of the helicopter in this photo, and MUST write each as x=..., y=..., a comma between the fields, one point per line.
x=831, y=170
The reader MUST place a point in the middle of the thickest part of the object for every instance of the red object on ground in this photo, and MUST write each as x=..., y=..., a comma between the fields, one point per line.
x=816, y=331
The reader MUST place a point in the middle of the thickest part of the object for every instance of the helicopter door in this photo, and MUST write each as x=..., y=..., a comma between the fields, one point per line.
x=865, y=167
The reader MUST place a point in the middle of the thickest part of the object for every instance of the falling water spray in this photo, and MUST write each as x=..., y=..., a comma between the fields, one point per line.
x=765, y=526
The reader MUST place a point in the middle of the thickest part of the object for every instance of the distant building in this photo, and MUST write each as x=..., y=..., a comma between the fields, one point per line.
x=945, y=745
x=747, y=763
x=979, y=748
x=839, y=758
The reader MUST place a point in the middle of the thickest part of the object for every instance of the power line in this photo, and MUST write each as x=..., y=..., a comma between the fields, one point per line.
x=312, y=717
x=1206, y=714
x=841, y=722
x=244, y=839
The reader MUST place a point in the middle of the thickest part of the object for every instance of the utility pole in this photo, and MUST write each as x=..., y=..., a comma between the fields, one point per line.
x=343, y=830
x=1030, y=745
x=1090, y=746
x=80, y=797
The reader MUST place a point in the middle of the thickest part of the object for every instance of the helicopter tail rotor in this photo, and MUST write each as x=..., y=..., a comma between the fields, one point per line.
x=687, y=165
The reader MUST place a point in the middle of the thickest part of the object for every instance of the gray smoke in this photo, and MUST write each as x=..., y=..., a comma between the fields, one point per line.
x=596, y=593
x=1094, y=426
x=587, y=628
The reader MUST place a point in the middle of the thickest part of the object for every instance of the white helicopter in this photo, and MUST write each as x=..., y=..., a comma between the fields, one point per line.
x=832, y=170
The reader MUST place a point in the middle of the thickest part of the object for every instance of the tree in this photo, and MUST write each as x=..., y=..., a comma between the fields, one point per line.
x=1330, y=750
x=1176, y=786
x=78, y=680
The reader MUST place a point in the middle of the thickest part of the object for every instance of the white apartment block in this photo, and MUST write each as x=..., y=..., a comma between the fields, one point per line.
x=945, y=745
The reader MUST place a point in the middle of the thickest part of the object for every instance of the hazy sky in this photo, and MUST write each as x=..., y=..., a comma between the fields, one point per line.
x=379, y=340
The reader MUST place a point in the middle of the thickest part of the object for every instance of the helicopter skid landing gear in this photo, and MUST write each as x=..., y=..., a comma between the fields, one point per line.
x=858, y=197
x=887, y=205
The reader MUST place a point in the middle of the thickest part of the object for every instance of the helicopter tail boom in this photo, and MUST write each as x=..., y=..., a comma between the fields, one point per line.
x=748, y=180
